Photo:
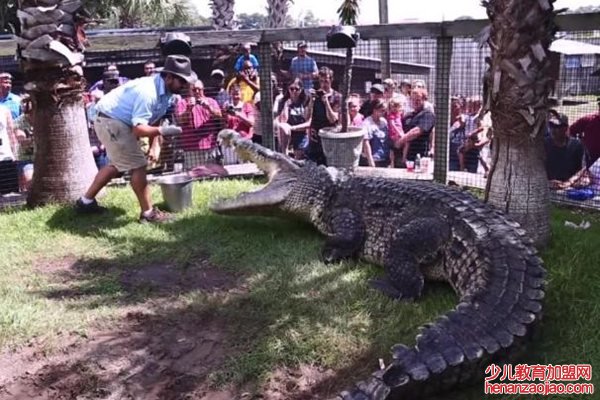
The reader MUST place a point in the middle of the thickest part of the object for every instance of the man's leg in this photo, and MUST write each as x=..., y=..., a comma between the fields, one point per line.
x=103, y=177
x=140, y=187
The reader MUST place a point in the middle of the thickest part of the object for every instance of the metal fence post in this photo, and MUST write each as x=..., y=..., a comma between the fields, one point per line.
x=384, y=44
x=442, y=106
x=266, y=94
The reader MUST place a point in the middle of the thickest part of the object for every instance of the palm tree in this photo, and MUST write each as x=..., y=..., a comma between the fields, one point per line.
x=141, y=13
x=9, y=22
x=277, y=11
x=222, y=14
x=63, y=165
x=517, y=85
x=348, y=13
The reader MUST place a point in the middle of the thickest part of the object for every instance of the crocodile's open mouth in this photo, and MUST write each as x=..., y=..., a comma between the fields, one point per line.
x=280, y=170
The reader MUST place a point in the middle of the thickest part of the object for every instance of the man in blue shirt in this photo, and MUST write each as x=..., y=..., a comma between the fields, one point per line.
x=7, y=98
x=304, y=67
x=126, y=114
x=246, y=56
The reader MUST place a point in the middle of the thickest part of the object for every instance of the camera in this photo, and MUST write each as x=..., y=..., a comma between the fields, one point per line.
x=230, y=110
x=320, y=93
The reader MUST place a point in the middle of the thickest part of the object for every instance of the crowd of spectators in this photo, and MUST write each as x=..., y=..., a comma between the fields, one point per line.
x=573, y=153
x=397, y=119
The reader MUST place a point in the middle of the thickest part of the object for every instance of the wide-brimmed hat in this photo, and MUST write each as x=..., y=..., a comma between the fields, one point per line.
x=180, y=66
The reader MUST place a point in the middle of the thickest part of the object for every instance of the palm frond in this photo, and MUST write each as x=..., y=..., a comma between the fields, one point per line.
x=348, y=12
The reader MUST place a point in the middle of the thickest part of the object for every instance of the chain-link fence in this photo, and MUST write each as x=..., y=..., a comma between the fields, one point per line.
x=420, y=119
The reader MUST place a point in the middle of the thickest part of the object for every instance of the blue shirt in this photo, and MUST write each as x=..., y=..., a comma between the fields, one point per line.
x=13, y=103
x=239, y=63
x=304, y=65
x=139, y=101
x=376, y=132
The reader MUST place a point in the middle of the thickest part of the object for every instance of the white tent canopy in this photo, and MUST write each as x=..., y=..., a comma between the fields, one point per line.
x=572, y=47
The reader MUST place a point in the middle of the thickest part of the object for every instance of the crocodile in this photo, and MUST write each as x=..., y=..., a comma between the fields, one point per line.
x=416, y=230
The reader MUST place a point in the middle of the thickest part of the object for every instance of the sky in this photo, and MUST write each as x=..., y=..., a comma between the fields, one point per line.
x=398, y=10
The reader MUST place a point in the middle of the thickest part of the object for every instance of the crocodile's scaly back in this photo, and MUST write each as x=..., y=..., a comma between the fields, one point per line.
x=496, y=273
x=415, y=230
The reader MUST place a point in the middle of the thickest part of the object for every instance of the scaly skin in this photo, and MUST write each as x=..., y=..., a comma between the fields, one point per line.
x=416, y=231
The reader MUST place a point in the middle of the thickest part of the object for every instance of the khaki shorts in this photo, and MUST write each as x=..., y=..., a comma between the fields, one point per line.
x=122, y=147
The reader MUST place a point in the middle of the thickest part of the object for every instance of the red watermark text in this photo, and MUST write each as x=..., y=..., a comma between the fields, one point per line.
x=538, y=379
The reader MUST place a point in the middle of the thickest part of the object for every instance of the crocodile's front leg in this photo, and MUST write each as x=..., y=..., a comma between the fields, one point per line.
x=415, y=244
x=346, y=235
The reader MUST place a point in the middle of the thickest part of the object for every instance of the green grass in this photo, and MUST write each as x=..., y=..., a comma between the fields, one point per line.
x=294, y=308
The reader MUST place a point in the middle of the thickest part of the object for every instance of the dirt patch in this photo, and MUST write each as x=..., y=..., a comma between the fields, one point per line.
x=170, y=279
x=56, y=267
x=307, y=382
x=146, y=356
x=78, y=278
x=159, y=349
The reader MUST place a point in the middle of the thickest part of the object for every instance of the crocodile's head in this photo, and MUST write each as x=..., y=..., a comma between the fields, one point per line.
x=293, y=187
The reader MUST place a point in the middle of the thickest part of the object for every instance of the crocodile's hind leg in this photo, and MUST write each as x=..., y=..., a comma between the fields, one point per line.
x=346, y=237
x=415, y=244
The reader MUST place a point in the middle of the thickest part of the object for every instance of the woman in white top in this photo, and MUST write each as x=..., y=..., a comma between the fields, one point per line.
x=9, y=147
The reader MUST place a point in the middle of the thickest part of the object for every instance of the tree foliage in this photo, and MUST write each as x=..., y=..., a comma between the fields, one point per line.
x=145, y=13
x=9, y=22
x=348, y=12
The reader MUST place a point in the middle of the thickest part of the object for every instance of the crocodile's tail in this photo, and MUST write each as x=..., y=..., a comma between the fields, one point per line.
x=501, y=302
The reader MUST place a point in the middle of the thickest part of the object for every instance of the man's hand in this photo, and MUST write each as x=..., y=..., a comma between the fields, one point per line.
x=169, y=130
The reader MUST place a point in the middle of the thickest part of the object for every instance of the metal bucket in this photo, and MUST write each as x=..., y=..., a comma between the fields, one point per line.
x=176, y=191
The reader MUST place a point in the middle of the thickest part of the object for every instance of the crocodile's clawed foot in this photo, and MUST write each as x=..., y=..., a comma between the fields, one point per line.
x=386, y=287
x=335, y=254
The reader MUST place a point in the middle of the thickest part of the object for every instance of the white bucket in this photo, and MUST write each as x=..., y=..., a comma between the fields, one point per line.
x=342, y=150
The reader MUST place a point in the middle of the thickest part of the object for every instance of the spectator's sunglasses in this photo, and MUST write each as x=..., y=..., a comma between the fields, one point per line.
x=294, y=88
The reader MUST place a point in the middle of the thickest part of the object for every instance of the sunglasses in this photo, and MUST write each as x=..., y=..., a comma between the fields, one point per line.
x=294, y=89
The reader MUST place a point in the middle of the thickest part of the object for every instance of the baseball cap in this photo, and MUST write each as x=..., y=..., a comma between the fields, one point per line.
x=558, y=119
x=5, y=75
x=405, y=82
x=217, y=72
x=302, y=44
x=378, y=87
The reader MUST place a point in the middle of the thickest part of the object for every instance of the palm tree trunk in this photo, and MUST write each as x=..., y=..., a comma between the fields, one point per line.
x=346, y=85
x=222, y=11
x=517, y=86
x=51, y=58
x=277, y=11
x=64, y=165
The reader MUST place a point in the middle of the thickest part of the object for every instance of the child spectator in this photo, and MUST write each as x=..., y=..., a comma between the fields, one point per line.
x=394, y=118
x=377, y=144
x=356, y=118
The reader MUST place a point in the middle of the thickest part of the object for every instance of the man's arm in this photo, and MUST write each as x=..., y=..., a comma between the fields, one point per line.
x=331, y=109
x=315, y=70
x=212, y=106
x=245, y=115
